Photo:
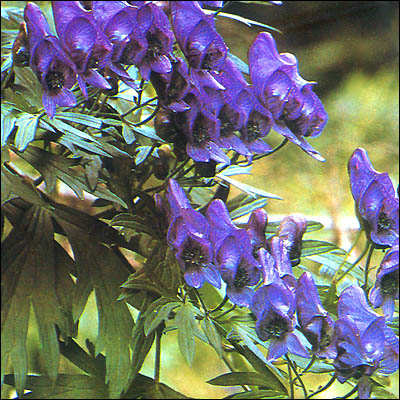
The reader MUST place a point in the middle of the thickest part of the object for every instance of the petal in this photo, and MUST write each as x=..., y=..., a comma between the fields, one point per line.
x=388, y=307
x=240, y=297
x=295, y=346
x=95, y=79
x=194, y=278
x=212, y=276
x=217, y=154
x=161, y=64
x=197, y=153
x=64, y=98
x=277, y=349
x=364, y=388
x=48, y=104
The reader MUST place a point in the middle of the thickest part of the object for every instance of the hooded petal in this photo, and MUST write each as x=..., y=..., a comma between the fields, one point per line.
x=277, y=349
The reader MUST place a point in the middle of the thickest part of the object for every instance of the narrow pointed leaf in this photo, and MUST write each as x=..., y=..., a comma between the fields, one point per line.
x=238, y=379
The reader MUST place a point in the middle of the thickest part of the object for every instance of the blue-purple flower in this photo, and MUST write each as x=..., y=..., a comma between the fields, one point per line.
x=377, y=205
x=363, y=342
x=315, y=322
x=291, y=231
x=296, y=109
x=274, y=306
x=188, y=235
x=201, y=129
x=386, y=288
x=54, y=69
x=88, y=47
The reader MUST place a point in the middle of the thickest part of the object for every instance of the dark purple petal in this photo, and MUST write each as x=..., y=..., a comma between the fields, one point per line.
x=295, y=346
x=194, y=278
x=361, y=172
x=212, y=276
x=36, y=24
x=240, y=297
x=277, y=349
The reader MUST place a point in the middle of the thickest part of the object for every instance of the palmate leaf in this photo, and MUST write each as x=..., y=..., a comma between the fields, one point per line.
x=27, y=125
x=31, y=277
x=53, y=166
x=99, y=268
x=8, y=118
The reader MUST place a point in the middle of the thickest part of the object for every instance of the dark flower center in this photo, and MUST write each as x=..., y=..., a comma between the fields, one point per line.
x=276, y=328
x=241, y=278
x=207, y=62
x=253, y=130
x=325, y=340
x=200, y=134
x=93, y=63
x=54, y=80
x=155, y=46
x=129, y=53
x=390, y=283
x=193, y=257
x=384, y=223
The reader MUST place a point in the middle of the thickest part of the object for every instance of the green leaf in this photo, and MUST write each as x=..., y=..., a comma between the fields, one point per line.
x=248, y=208
x=239, y=379
x=148, y=132
x=137, y=283
x=186, y=324
x=128, y=134
x=248, y=22
x=256, y=394
x=212, y=335
x=12, y=183
x=313, y=247
x=30, y=276
x=77, y=118
x=27, y=125
x=53, y=166
x=313, y=226
x=8, y=118
x=133, y=222
x=156, y=315
x=99, y=267
x=253, y=192
x=65, y=387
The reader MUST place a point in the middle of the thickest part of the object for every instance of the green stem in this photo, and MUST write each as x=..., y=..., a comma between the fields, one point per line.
x=367, y=262
x=201, y=301
x=283, y=143
x=219, y=306
x=226, y=312
x=224, y=7
x=297, y=375
x=137, y=107
x=291, y=385
x=150, y=117
x=346, y=396
x=330, y=383
x=335, y=281
x=157, y=356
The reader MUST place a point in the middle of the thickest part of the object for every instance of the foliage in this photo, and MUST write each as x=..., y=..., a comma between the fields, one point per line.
x=141, y=111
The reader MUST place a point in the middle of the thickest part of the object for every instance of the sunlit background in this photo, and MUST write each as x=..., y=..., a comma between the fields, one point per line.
x=351, y=50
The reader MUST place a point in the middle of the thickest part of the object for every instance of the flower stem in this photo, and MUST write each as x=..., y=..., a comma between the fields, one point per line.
x=283, y=143
x=367, y=262
x=226, y=312
x=346, y=396
x=291, y=385
x=158, y=355
x=323, y=388
x=219, y=306
x=335, y=281
x=297, y=375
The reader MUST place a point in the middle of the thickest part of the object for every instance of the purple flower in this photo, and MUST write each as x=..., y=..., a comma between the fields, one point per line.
x=386, y=288
x=282, y=263
x=274, y=306
x=238, y=268
x=257, y=122
x=201, y=130
x=188, y=235
x=199, y=41
x=255, y=228
x=20, y=48
x=156, y=27
x=196, y=35
x=291, y=231
x=171, y=88
x=363, y=342
x=86, y=44
x=215, y=4
x=296, y=109
x=315, y=322
x=54, y=69
x=377, y=205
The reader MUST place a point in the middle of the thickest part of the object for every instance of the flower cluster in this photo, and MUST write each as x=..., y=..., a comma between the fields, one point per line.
x=363, y=342
x=206, y=97
x=258, y=274
x=377, y=206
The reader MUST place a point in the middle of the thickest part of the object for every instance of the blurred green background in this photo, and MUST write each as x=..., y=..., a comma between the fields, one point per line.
x=351, y=50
